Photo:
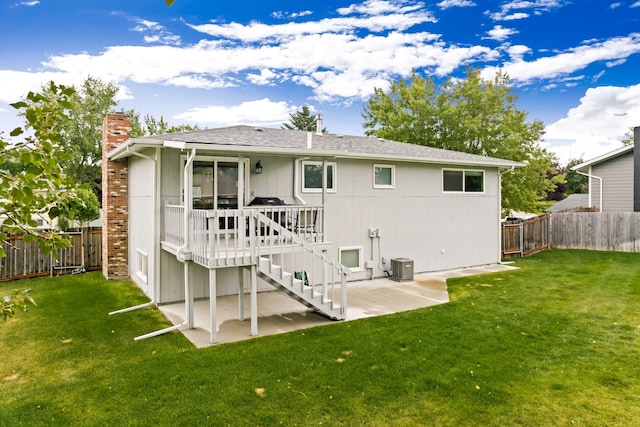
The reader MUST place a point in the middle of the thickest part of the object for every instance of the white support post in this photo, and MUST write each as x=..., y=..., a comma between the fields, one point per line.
x=213, y=296
x=188, y=294
x=241, y=294
x=254, y=301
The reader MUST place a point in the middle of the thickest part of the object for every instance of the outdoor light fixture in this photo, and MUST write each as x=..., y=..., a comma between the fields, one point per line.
x=258, y=168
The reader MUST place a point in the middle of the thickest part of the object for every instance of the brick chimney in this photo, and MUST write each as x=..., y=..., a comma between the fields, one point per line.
x=116, y=128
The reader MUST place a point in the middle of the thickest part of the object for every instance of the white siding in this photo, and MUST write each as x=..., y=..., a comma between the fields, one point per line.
x=142, y=220
x=617, y=184
x=415, y=219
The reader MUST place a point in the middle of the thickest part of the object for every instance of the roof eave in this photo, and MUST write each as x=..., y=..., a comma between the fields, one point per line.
x=602, y=158
x=126, y=148
x=504, y=164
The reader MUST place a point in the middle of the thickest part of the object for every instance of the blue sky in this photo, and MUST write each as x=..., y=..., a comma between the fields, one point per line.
x=575, y=65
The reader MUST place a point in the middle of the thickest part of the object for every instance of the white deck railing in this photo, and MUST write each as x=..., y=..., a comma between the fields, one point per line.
x=284, y=234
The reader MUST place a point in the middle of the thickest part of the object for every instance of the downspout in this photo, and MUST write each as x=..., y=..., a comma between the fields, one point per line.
x=188, y=203
x=153, y=300
x=596, y=177
x=188, y=199
x=500, y=212
x=296, y=180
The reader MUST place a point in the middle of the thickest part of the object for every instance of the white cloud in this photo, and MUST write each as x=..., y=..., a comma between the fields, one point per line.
x=213, y=64
x=257, y=31
x=446, y=4
x=291, y=15
x=262, y=112
x=28, y=3
x=517, y=52
x=500, y=33
x=157, y=33
x=597, y=125
x=265, y=77
x=636, y=4
x=519, y=9
x=615, y=5
x=572, y=60
x=379, y=7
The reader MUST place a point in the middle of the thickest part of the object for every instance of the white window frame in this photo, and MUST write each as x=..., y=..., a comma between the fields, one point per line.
x=334, y=174
x=393, y=176
x=464, y=181
x=360, y=250
x=142, y=265
x=218, y=159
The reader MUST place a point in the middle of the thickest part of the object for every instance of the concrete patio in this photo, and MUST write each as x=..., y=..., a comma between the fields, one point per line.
x=277, y=313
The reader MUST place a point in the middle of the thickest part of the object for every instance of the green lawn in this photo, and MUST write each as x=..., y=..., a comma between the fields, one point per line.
x=554, y=343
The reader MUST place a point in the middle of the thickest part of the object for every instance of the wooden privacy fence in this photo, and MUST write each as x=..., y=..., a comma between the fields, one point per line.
x=605, y=231
x=25, y=259
x=525, y=237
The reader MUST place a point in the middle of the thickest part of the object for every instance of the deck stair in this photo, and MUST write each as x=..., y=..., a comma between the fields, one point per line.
x=297, y=289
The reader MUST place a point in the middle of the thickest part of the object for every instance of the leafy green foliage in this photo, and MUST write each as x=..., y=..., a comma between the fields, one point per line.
x=36, y=183
x=303, y=120
x=18, y=300
x=576, y=183
x=628, y=137
x=81, y=135
x=472, y=115
x=153, y=126
x=88, y=209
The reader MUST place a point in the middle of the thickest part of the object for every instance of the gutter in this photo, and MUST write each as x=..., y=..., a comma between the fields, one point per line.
x=590, y=177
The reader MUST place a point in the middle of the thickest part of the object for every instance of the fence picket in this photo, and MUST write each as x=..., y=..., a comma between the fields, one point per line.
x=24, y=260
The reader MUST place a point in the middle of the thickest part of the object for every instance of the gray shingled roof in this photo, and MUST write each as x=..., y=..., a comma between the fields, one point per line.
x=573, y=202
x=264, y=140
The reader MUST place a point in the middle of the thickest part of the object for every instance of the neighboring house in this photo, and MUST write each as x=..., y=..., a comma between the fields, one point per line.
x=572, y=203
x=614, y=179
x=179, y=218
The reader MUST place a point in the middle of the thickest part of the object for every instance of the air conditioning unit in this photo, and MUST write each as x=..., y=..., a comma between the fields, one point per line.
x=402, y=269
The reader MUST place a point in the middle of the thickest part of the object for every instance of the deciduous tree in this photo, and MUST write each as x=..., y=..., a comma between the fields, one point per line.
x=81, y=135
x=153, y=126
x=471, y=115
x=38, y=184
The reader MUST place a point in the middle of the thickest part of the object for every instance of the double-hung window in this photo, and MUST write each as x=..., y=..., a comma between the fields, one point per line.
x=462, y=181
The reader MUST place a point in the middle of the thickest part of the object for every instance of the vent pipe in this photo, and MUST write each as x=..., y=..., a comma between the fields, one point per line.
x=318, y=124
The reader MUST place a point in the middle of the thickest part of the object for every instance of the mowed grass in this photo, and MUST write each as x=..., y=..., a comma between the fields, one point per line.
x=554, y=343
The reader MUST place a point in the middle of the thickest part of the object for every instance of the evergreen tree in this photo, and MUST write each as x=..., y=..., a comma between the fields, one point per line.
x=303, y=120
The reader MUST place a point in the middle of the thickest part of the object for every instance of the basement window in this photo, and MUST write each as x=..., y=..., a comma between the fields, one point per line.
x=351, y=256
x=462, y=181
x=142, y=264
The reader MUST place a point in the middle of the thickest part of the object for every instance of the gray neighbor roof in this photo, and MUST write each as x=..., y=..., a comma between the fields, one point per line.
x=262, y=140
x=571, y=203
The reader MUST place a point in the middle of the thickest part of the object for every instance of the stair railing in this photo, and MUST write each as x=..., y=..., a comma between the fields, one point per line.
x=272, y=240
